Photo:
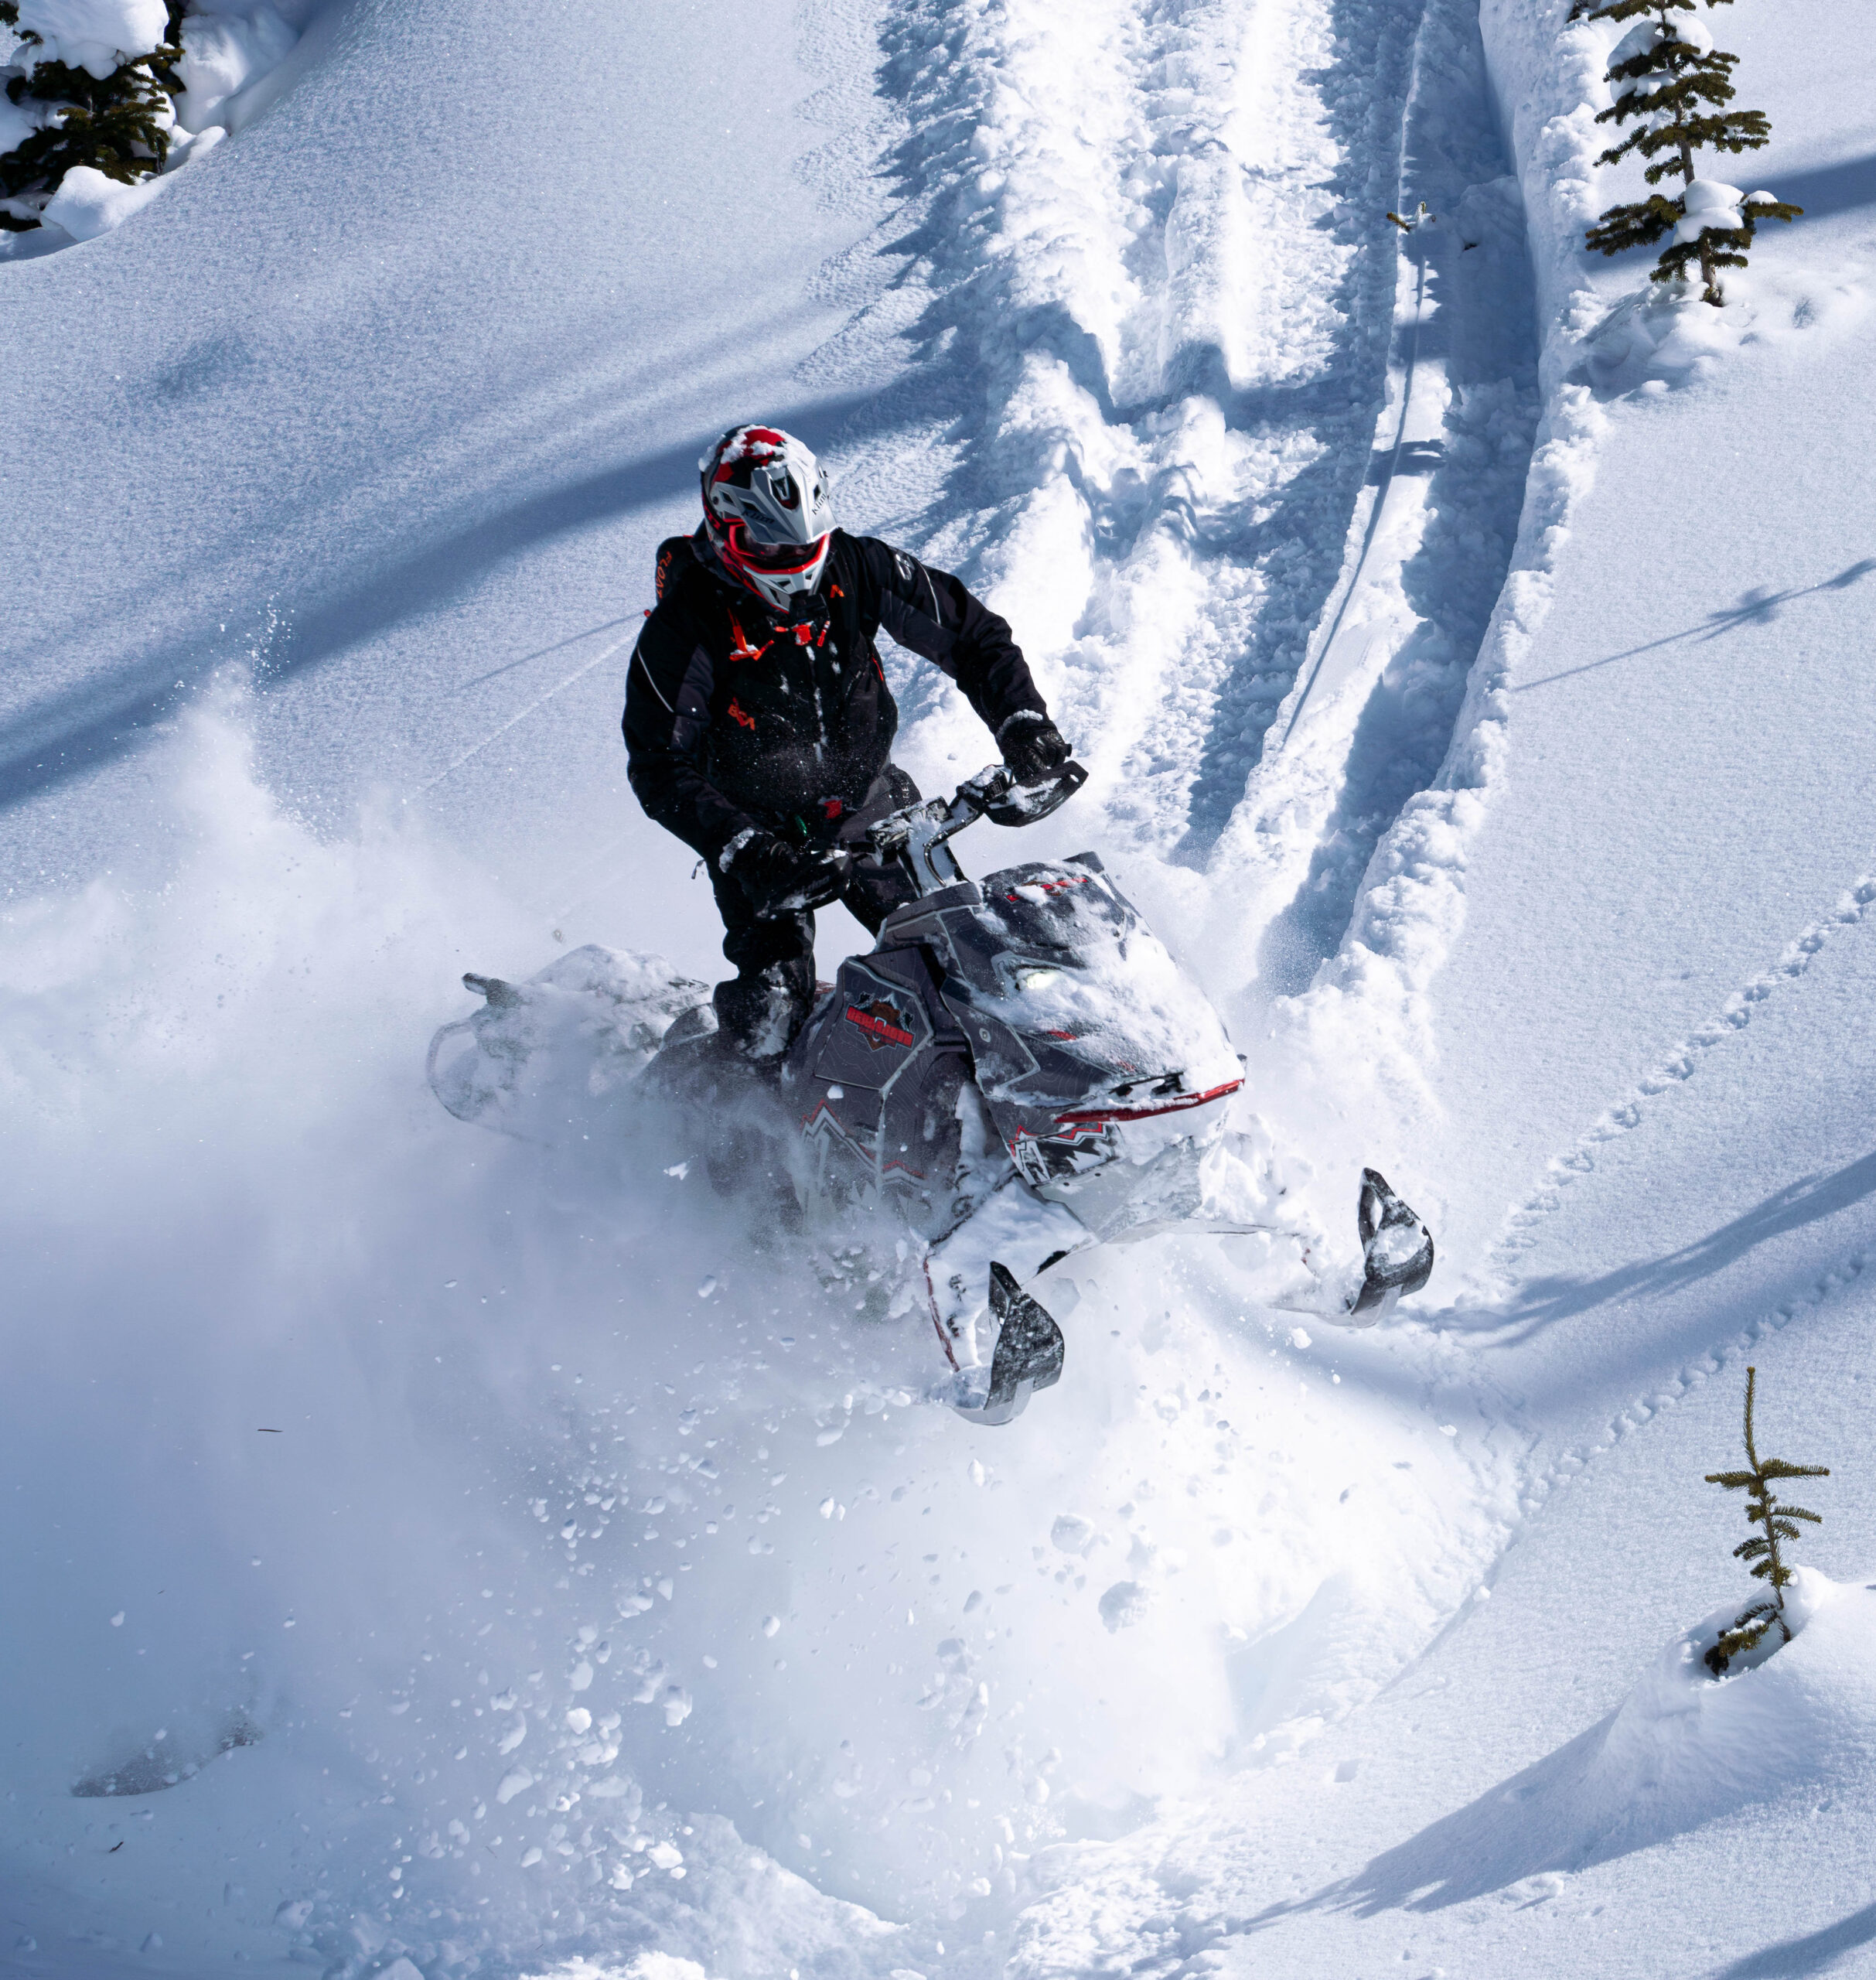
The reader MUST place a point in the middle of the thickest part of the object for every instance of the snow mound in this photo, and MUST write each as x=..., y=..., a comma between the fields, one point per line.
x=222, y=54
x=1683, y=1749
x=87, y=203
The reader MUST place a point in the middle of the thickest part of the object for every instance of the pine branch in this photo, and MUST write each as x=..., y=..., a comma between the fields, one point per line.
x=1675, y=87
x=1776, y=1522
x=1639, y=226
x=118, y=123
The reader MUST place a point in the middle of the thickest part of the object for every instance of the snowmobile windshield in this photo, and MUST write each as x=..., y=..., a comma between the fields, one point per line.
x=1059, y=955
x=1054, y=912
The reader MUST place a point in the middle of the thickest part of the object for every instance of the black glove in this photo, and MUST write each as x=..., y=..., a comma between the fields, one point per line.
x=1032, y=746
x=781, y=878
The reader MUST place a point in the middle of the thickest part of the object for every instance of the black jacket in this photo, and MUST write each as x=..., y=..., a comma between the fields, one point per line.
x=733, y=719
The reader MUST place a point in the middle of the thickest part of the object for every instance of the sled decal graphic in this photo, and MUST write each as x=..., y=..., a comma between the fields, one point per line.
x=1101, y=1116
x=884, y=1023
x=1060, y=886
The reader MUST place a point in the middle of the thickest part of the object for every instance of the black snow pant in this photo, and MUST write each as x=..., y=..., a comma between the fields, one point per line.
x=765, y=1003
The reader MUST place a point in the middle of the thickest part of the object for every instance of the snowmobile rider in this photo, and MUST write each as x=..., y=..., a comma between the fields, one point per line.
x=759, y=725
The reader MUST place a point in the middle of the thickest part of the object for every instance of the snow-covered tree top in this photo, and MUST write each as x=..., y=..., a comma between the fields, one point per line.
x=93, y=34
x=1646, y=38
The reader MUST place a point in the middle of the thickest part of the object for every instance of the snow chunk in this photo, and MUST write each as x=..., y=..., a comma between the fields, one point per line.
x=1704, y=195
x=222, y=54
x=88, y=204
x=93, y=34
x=516, y=1783
x=1124, y=1604
x=663, y=1966
x=1643, y=39
x=1073, y=1534
x=614, y=1787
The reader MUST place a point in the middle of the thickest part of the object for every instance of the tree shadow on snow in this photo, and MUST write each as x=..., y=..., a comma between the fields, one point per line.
x=1542, y=1302
x=1817, y=1952
x=1520, y=1828
x=1832, y=188
x=1579, y=1806
x=1759, y=606
x=79, y=728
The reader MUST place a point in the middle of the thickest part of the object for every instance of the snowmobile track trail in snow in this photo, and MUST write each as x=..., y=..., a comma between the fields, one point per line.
x=1179, y=386
x=1146, y=261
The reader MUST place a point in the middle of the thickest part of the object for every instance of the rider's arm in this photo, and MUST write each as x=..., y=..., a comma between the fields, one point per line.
x=932, y=613
x=667, y=718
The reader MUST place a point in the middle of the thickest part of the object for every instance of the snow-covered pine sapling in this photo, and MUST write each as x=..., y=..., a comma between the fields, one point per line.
x=1776, y=1522
x=1674, y=86
x=118, y=123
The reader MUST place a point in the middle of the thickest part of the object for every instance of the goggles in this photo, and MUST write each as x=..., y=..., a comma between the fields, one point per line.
x=783, y=559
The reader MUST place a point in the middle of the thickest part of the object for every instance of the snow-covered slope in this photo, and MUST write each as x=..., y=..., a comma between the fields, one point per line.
x=515, y=1564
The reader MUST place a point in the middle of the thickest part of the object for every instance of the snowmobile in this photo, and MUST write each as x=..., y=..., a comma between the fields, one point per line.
x=1018, y=1070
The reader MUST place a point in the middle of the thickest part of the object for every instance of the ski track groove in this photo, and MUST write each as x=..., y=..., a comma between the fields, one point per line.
x=1426, y=561
x=1139, y=270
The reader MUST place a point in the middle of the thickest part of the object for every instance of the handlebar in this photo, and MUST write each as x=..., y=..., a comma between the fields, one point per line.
x=918, y=835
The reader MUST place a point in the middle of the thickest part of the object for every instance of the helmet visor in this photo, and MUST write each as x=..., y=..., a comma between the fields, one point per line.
x=782, y=558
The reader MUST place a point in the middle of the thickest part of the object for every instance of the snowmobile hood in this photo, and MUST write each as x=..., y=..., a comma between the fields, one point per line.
x=1057, y=956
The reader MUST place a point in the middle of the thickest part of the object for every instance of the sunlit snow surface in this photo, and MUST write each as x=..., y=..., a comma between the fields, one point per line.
x=362, y=1468
x=406, y=1471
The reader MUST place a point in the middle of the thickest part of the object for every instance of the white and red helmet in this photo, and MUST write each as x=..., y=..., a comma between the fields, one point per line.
x=768, y=512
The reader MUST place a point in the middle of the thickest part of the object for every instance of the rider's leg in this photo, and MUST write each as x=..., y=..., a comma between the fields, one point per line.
x=877, y=887
x=761, y=1008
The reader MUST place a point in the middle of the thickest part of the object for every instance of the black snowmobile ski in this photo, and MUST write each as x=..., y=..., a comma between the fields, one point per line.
x=1397, y=1248
x=1028, y=1356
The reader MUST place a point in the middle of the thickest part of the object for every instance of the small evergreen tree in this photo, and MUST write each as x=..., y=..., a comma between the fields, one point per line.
x=120, y=124
x=1776, y=1522
x=1674, y=86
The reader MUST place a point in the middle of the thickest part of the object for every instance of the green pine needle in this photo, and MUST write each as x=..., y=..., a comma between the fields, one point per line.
x=1677, y=95
x=1776, y=1522
x=119, y=125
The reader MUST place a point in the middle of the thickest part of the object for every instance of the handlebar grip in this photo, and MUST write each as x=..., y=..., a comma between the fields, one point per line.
x=1024, y=804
